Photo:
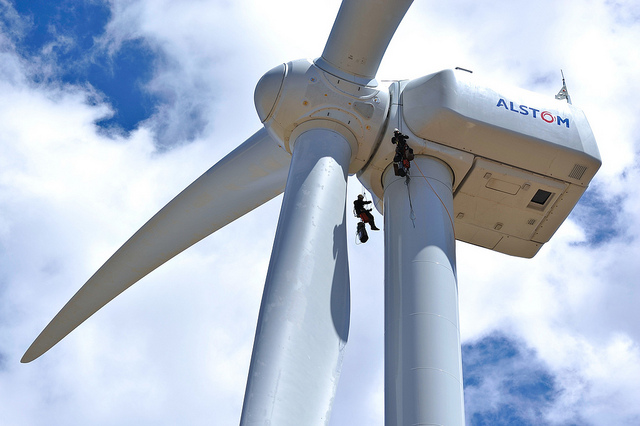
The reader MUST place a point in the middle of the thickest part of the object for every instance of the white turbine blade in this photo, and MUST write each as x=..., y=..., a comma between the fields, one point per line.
x=252, y=174
x=304, y=316
x=361, y=33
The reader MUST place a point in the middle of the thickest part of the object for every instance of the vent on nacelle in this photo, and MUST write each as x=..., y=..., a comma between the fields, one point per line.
x=578, y=171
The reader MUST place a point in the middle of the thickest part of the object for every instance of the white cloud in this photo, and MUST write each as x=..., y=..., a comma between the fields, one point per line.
x=176, y=347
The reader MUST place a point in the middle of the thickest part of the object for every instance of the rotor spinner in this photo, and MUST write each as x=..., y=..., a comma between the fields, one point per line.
x=298, y=96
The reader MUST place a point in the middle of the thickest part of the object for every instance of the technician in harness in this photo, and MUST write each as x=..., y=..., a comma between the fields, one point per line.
x=404, y=154
x=364, y=213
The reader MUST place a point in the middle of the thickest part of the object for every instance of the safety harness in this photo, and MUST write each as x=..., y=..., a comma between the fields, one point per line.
x=404, y=154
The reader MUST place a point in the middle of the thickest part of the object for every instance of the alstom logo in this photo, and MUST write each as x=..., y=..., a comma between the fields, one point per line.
x=545, y=116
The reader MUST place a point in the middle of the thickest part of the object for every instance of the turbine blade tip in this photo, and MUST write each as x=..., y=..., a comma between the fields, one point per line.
x=27, y=359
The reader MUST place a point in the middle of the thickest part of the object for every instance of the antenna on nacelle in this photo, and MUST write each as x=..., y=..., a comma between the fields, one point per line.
x=563, y=93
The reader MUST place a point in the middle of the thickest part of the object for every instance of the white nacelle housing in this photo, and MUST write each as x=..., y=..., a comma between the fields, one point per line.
x=533, y=157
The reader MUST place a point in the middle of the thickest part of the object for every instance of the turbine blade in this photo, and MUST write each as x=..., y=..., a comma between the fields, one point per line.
x=361, y=33
x=249, y=176
x=304, y=316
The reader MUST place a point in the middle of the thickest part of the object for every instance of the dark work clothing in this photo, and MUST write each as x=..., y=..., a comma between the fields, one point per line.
x=403, y=156
x=363, y=213
x=359, y=205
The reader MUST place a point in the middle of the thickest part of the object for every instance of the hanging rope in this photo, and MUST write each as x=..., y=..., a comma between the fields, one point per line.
x=436, y=194
x=399, y=127
x=412, y=214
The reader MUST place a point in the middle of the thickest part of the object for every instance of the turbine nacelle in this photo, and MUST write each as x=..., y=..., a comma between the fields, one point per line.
x=504, y=200
x=294, y=97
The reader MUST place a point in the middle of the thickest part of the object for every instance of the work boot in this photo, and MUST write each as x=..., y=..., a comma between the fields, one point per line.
x=374, y=228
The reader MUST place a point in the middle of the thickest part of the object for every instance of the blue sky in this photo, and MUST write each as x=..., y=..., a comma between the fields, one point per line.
x=500, y=365
x=109, y=109
x=69, y=37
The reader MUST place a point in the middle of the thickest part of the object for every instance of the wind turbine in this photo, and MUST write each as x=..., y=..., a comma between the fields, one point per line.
x=501, y=169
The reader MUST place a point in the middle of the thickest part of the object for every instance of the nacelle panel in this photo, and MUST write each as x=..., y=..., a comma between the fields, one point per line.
x=510, y=126
x=534, y=156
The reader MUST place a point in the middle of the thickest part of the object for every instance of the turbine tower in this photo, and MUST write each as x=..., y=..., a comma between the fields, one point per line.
x=498, y=168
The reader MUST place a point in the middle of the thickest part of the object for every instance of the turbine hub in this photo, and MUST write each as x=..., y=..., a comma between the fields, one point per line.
x=268, y=90
x=298, y=96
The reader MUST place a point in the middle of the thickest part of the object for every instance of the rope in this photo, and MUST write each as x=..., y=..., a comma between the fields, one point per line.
x=399, y=112
x=434, y=191
x=412, y=214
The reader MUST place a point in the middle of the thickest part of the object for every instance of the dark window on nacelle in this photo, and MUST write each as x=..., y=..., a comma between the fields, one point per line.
x=541, y=197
